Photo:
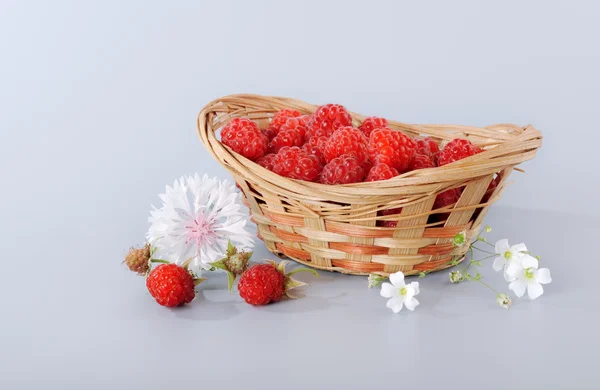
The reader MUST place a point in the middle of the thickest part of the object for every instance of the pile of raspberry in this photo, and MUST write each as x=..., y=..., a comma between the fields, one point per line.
x=326, y=147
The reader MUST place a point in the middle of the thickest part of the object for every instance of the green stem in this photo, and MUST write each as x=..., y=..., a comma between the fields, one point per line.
x=488, y=286
x=485, y=242
x=312, y=271
x=481, y=250
x=159, y=261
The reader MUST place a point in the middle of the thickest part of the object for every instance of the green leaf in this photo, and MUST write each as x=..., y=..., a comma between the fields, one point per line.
x=230, y=280
x=219, y=264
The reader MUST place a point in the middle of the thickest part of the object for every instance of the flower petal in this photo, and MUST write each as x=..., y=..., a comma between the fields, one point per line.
x=518, y=287
x=415, y=287
x=534, y=290
x=411, y=303
x=397, y=279
x=501, y=246
x=388, y=291
x=395, y=304
x=519, y=248
x=514, y=270
x=542, y=275
x=529, y=261
x=508, y=277
x=499, y=263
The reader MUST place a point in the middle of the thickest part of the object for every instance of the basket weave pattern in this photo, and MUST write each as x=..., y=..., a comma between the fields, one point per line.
x=334, y=227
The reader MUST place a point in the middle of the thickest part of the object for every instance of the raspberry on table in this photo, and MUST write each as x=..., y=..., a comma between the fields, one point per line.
x=327, y=119
x=381, y=172
x=372, y=123
x=346, y=141
x=390, y=147
x=171, y=285
x=267, y=161
x=244, y=137
x=316, y=146
x=345, y=169
x=296, y=163
x=428, y=147
x=421, y=161
x=457, y=149
x=261, y=284
x=291, y=133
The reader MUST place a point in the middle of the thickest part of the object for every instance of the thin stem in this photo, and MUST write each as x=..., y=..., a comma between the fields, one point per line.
x=485, y=242
x=479, y=249
x=159, y=261
x=488, y=286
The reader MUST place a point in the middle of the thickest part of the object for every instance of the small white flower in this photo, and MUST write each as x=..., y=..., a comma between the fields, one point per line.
x=525, y=275
x=504, y=301
x=375, y=280
x=456, y=276
x=507, y=254
x=197, y=217
x=399, y=293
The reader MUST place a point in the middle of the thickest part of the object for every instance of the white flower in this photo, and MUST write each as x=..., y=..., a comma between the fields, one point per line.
x=399, y=293
x=456, y=276
x=504, y=301
x=197, y=218
x=507, y=254
x=526, y=275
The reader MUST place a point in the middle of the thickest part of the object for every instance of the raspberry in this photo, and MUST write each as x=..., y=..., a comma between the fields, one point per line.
x=428, y=147
x=420, y=161
x=267, y=161
x=457, y=149
x=327, y=119
x=296, y=163
x=444, y=199
x=490, y=190
x=381, y=172
x=316, y=145
x=372, y=123
x=389, y=212
x=391, y=147
x=138, y=260
x=261, y=284
x=346, y=141
x=244, y=137
x=342, y=170
x=279, y=120
x=290, y=134
x=171, y=285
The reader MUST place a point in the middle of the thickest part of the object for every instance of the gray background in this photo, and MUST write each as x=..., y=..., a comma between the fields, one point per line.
x=98, y=106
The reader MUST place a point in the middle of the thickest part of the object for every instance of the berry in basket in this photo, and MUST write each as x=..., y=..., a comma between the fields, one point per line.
x=345, y=169
x=327, y=119
x=391, y=147
x=372, y=123
x=244, y=137
x=346, y=141
x=296, y=163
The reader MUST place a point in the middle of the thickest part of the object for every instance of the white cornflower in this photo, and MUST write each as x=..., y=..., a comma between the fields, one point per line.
x=525, y=275
x=197, y=218
x=399, y=293
x=507, y=254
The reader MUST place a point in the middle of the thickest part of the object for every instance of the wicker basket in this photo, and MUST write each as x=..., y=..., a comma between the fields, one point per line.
x=334, y=227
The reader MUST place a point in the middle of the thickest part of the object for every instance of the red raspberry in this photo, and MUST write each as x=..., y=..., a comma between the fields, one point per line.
x=171, y=285
x=346, y=140
x=244, y=137
x=381, y=172
x=267, y=161
x=304, y=119
x=490, y=190
x=261, y=284
x=428, y=147
x=290, y=134
x=279, y=120
x=296, y=163
x=420, y=161
x=457, y=149
x=342, y=170
x=327, y=119
x=316, y=145
x=391, y=147
x=389, y=212
x=444, y=199
x=372, y=123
